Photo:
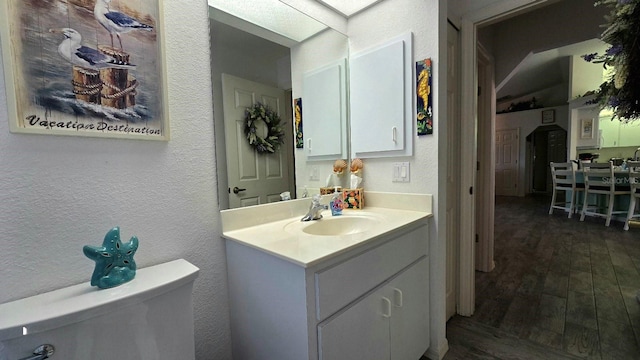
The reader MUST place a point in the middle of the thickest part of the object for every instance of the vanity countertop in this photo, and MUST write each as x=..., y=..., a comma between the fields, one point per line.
x=273, y=235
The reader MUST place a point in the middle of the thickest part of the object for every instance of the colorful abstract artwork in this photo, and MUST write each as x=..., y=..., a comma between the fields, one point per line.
x=85, y=68
x=424, y=103
x=297, y=110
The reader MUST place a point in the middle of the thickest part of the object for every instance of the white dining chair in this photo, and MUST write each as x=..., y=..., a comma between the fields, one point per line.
x=634, y=183
x=564, y=179
x=599, y=179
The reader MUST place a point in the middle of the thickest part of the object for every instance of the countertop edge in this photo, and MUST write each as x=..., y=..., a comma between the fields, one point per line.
x=312, y=262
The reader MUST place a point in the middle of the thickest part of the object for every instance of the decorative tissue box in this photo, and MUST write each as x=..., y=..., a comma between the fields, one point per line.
x=329, y=190
x=353, y=198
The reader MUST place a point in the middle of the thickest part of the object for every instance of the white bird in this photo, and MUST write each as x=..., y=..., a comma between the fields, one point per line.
x=74, y=52
x=116, y=22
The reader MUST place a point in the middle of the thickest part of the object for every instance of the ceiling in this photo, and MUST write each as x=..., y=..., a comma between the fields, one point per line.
x=535, y=51
x=285, y=25
x=544, y=69
x=348, y=8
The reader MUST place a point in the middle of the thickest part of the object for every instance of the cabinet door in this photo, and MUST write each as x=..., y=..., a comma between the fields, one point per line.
x=361, y=332
x=630, y=133
x=610, y=134
x=409, y=294
x=380, y=91
x=324, y=112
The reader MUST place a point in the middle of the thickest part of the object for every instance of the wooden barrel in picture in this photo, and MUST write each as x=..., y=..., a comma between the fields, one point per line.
x=114, y=82
x=86, y=84
x=132, y=84
x=118, y=90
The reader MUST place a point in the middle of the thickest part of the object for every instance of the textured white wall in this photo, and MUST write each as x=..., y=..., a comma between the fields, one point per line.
x=374, y=26
x=584, y=76
x=60, y=193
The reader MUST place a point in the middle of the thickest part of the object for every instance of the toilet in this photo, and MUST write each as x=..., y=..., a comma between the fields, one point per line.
x=150, y=317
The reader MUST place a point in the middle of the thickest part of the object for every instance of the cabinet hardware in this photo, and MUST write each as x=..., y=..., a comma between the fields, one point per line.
x=397, y=297
x=386, y=307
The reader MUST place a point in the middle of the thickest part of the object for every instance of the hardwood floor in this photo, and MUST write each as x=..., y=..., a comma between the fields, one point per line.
x=561, y=289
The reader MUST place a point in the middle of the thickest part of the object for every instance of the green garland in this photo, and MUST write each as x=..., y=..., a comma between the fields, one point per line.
x=621, y=92
x=275, y=136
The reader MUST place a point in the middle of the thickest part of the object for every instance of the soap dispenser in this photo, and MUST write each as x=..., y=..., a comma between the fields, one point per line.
x=336, y=203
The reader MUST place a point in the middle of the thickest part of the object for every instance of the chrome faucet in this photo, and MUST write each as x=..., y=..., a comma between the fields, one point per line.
x=315, y=209
x=635, y=155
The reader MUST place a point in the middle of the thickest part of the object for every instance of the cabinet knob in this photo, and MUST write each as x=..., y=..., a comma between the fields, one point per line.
x=397, y=297
x=386, y=307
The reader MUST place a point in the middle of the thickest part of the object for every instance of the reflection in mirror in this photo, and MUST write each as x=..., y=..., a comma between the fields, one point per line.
x=252, y=64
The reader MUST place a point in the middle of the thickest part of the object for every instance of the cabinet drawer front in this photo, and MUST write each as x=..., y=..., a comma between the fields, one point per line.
x=339, y=285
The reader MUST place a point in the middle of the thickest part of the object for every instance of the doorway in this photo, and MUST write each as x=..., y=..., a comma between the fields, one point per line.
x=473, y=18
x=475, y=15
x=547, y=144
x=506, y=165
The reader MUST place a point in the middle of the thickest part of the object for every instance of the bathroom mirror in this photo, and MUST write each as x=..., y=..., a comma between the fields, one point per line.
x=260, y=51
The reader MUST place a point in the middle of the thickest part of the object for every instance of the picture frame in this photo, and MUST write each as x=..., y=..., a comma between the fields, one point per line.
x=424, y=97
x=299, y=133
x=69, y=70
x=586, y=128
x=548, y=116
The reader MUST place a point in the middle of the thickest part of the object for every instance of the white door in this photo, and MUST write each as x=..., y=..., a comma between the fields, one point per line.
x=453, y=169
x=507, y=162
x=254, y=178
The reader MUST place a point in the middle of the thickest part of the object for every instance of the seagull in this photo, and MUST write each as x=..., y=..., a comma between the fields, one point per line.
x=74, y=52
x=116, y=22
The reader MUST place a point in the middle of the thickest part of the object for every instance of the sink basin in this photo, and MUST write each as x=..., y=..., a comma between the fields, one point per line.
x=335, y=225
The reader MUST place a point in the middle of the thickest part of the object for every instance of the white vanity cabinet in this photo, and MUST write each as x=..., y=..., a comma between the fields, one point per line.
x=390, y=323
x=369, y=302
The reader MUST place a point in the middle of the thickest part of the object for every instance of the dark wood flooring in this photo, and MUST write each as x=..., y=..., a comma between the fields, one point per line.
x=561, y=289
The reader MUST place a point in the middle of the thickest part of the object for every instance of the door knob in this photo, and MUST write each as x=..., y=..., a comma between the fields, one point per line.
x=237, y=190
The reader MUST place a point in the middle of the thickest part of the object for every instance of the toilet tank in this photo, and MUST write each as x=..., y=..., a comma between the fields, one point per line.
x=150, y=317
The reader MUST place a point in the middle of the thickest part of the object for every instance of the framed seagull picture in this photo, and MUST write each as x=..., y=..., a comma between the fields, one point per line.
x=85, y=67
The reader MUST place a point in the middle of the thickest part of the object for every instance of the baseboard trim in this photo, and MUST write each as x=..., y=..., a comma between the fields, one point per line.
x=438, y=354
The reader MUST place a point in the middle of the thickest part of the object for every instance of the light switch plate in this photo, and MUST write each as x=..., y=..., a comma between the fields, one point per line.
x=400, y=172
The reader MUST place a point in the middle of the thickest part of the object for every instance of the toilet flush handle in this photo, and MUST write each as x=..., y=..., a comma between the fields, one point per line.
x=41, y=352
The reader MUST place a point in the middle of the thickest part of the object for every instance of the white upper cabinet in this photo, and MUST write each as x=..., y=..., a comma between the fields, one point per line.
x=324, y=112
x=630, y=133
x=610, y=132
x=381, y=99
x=616, y=133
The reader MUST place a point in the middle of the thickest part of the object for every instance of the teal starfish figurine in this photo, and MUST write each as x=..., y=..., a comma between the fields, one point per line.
x=114, y=260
